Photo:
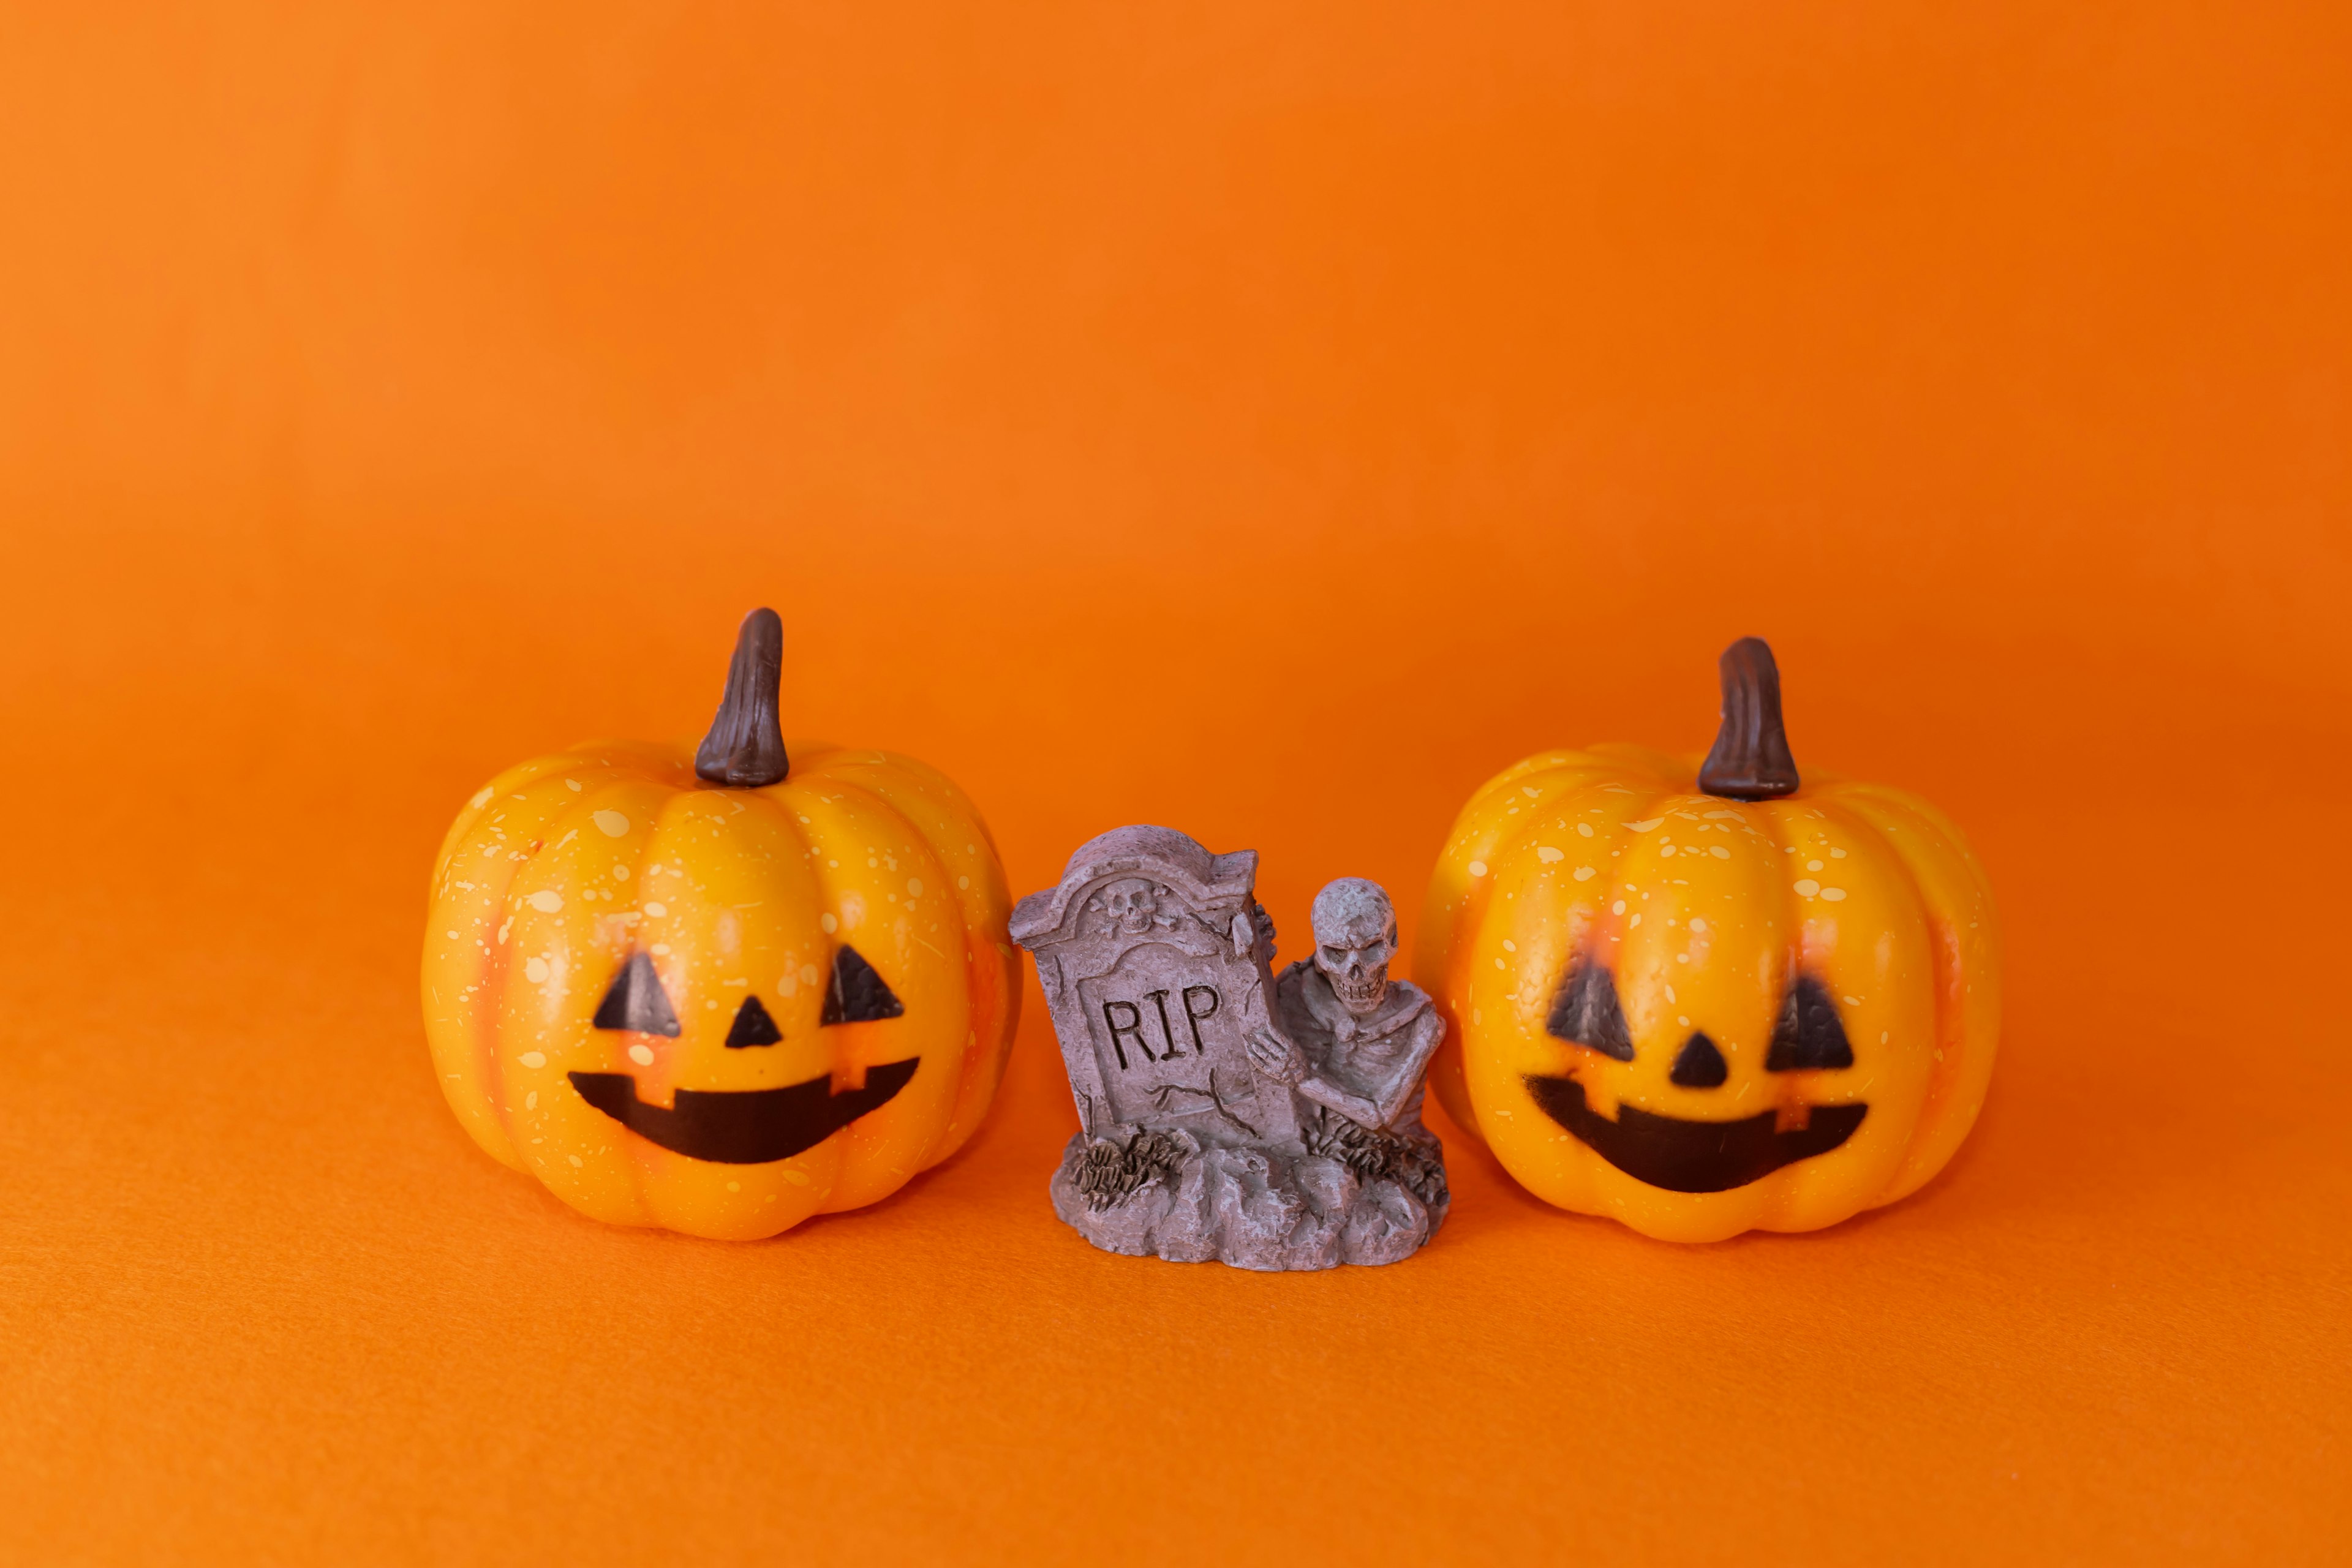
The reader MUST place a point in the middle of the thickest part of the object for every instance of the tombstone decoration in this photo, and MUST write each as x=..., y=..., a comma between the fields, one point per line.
x=1223, y=1113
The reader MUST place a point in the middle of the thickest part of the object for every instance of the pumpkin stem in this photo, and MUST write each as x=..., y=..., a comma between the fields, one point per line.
x=745, y=748
x=1750, y=760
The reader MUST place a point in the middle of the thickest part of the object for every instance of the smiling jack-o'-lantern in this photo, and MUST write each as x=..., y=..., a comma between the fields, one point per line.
x=1705, y=999
x=719, y=990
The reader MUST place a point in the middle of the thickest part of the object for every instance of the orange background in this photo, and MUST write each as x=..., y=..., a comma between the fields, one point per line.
x=1268, y=424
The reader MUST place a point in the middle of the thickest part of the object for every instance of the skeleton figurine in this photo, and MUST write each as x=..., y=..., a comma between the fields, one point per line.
x=1355, y=1044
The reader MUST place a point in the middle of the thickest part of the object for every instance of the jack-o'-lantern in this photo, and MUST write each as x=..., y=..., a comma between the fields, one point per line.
x=1702, y=998
x=720, y=989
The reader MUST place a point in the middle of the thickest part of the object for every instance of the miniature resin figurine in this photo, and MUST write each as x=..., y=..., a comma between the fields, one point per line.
x=723, y=989
x=1706, y=997
x=1211, y=1124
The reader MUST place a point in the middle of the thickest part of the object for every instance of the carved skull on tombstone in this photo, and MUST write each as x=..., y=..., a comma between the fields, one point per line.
x=1355, y=938
x=1131, y=905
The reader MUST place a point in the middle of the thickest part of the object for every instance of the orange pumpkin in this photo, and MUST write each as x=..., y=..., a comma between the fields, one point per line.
x=1703, y=998
x=720, y=991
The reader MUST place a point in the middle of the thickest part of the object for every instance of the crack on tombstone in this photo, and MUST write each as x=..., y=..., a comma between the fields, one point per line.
x=1159, y=1102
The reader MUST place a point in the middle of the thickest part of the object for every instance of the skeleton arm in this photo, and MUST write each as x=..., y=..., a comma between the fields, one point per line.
x=1389, y=1101
x=1278, y=1056
x=1428, y=1033
x=1354, y=1106
x=1275, y=1054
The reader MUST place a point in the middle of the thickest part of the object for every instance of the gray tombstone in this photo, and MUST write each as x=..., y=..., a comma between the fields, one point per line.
x=1223, y=1113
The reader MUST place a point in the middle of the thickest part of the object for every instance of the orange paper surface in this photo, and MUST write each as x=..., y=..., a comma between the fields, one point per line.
x=1267, y=422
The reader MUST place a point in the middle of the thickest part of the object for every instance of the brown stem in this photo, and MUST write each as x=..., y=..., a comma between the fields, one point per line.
x=1750, y=760
x=745, y=748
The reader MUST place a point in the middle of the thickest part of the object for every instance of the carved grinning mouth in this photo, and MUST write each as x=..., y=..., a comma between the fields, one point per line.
x=1692, y=1156
x=744, y=1127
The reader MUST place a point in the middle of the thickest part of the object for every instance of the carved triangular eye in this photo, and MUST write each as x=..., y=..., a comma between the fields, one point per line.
x=1699, y=1065
x=1808, y=1035
x=857, y=995
x=1587, y=1014
x=752, y=1026
x=637, y=1001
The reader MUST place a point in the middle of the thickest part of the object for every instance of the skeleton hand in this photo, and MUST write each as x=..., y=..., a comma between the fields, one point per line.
x=1275, y=1056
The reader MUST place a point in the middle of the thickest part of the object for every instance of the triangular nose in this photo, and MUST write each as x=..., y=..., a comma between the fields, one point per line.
x=637, y=1001
x=1699, y=1065
x=752, y=1026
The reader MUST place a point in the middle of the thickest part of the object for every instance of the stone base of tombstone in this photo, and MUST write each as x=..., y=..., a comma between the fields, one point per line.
x=1151, y=1195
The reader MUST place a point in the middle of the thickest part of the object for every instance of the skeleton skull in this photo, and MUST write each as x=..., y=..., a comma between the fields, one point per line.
x=1131, y=905
x=1355, y=938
